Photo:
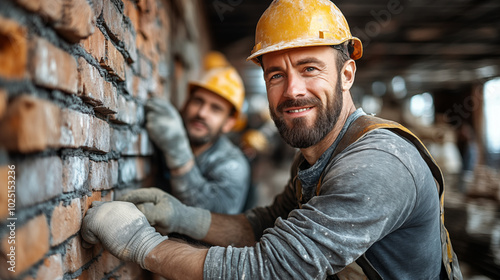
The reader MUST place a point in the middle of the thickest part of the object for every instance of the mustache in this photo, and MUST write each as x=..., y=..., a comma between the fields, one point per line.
x=310, y=101
x=199, y=120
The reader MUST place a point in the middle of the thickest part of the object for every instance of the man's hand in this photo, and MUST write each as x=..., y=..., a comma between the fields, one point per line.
x=122, y=229
x=166, y=129
x=168, y=214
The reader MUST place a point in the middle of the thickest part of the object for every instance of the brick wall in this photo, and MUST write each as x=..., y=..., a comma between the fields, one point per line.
x=74, y=77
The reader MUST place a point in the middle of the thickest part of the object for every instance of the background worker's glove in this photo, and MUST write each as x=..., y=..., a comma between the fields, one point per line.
x=167, y=131
x=122, y=229
x=168, y=214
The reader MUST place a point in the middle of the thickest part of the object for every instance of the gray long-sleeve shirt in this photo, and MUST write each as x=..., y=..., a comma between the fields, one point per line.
x=218, y=182
x=378, y=198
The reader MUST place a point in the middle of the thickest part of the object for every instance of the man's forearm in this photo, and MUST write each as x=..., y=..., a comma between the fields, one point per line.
x=234, y=230
x=176, y=260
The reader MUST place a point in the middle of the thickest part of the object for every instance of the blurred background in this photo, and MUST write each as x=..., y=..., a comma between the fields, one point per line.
x=432, y=65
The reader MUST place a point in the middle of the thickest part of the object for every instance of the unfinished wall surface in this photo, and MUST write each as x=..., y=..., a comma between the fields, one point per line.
x=74, y=77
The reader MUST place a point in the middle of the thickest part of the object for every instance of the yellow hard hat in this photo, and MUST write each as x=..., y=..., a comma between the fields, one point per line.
x=225, y=82
x=214, y=59
x=254, y=139
x=290, y=24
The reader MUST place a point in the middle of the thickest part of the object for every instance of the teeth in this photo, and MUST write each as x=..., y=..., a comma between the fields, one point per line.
x=298, y=111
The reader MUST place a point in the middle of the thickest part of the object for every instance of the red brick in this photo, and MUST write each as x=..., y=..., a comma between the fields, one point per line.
x=145, y=68
x=140, y=86
x=13, y=49
x=86, y=201
x=132, y=13
x=106, y=263
x=74, y=28
x=76, y=255
x=38, y=180
x=99, y=135
x=114, y=61
x=109, y=106
x=51, y=268
x=97, y=7
x=30, y=5
x=31, y=244
x=110, y=195
x=143, y=166
x=95, y=45
x=94, y=89
x=139, y=145
x=51, y=9
x=30, y=124
x=3, y=102
x=52, y=67
x=75, y=129
x=4, y=189
x=113, y=172
x=127, y=111
x=99, y=176
x=65, y=221
x=113, y=19
x=129, y=270
x=82, y=130
x=75, y=173
x=130, y=47
x=164, y=32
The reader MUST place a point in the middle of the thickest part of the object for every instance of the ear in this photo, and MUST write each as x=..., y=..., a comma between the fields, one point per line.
x=229, y=124
x=348, y=74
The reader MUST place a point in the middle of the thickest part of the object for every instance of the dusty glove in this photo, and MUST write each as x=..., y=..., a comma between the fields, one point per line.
x=122, y=229
x=168, y=214
x=166, y=129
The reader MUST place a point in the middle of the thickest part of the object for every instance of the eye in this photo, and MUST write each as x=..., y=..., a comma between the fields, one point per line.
x=310, y=69
x=276, y=76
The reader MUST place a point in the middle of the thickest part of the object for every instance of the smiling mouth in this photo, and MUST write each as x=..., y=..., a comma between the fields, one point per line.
x=298, y=110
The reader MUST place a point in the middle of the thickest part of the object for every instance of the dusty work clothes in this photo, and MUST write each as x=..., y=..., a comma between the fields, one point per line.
x=378, y=198
x=218, y=182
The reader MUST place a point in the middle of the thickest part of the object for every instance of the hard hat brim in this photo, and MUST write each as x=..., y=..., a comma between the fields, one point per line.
x=356, y=54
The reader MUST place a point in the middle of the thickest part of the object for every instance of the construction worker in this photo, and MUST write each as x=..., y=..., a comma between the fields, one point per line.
x=363, y=199
x=205, y=169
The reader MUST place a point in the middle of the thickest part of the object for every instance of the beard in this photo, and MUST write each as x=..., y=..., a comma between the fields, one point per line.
x=299, y=134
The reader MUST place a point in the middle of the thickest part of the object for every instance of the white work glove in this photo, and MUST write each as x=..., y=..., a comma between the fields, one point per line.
x=167, y=131
x=168, y=214
x=122, y=229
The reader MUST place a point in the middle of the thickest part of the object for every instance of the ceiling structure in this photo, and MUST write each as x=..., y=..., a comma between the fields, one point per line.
x=428, y=44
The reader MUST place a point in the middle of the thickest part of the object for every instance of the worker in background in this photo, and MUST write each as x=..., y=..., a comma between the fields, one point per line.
x=205, y=169
x=361, y=203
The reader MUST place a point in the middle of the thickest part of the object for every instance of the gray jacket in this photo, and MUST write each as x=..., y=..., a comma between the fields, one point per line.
x=378, y=198
x=219, y=181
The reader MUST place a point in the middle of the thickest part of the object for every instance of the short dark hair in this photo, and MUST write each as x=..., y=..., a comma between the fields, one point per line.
x=345, y=50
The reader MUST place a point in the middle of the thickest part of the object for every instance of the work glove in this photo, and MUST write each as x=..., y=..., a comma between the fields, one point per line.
x=168, y=214
x=167, y=131
x=122, y=229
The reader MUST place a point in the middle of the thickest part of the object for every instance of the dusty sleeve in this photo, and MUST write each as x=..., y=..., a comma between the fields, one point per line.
x=356, y=207
x=222, y=190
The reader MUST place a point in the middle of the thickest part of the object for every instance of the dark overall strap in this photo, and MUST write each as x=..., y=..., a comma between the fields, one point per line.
x=356, y=131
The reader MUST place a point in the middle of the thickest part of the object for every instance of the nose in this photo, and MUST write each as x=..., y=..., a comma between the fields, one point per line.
x=295, y=86
x=203, y=111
